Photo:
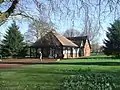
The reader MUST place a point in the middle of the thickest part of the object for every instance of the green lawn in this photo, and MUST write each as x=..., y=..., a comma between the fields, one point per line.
x=100, y=58
x=49, y=77
x=89, y=60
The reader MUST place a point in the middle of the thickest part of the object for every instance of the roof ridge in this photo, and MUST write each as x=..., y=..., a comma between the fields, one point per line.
x=54, y=32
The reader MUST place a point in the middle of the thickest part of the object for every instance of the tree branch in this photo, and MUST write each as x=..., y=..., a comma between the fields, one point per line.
x=6, y=14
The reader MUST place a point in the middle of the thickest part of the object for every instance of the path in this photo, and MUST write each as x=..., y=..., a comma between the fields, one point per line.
x=8, y=63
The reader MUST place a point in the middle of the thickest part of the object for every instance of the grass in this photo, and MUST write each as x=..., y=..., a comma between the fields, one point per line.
x=48, y=77
x=100, y=58
x=90, y=60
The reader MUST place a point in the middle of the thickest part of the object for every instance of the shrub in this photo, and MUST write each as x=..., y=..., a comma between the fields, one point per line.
x=88, y=82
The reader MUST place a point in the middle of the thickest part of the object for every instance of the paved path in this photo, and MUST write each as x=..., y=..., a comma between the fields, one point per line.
x=11, y=63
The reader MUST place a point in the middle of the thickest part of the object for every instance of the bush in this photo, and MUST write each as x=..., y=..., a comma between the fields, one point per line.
x=88, y=82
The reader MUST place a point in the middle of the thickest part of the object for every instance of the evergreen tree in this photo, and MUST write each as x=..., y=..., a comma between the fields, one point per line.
x=112, y=44
x=12, y=44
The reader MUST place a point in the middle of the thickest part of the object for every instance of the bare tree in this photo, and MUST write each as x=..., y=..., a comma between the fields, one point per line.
x=91, y=29
x=91, y=13
x=62, y=8
x=71, y=10
x=71, y=33
x=36, y=30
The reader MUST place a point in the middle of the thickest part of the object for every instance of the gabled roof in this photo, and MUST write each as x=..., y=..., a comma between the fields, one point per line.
x=63, y=40
x=79, y=40
x=53, y=38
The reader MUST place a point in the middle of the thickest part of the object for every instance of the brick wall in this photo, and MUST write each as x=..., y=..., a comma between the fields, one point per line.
x=87, y=49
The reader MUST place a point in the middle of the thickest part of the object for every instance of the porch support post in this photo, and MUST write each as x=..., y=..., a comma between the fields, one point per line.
x=67, y=52
x=54, y=52
x=42, y=51
x=76, y=51
x=72, y=52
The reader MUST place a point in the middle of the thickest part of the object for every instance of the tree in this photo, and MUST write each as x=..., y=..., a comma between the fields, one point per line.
x=71, y=33
x=62, y=8
x=36, y=30
x=9, y=11
x=96, y=48
x=90, y=15
x=91, y=28
x=112, y=44
x=12, y=44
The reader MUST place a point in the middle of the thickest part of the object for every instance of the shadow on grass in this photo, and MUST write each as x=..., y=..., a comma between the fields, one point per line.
x=98, y=57
x=66, y=63
x=94, y=57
